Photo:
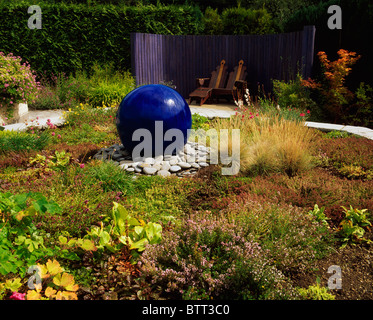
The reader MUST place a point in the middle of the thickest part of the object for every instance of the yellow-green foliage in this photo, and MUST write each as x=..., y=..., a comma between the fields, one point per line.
x=56, y=284
x=316, y=293
x=355, y=172
x=162, y=201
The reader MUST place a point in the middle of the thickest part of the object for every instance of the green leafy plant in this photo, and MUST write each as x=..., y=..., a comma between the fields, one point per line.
x=60, y=160
x=68, y=247
x=212, y=22
x=316, y=292
x=200, y=122
x=336, y=134
x=246, y=21
x=319, y=214
x=352, y=227
x=21, y=244
x=124, y=230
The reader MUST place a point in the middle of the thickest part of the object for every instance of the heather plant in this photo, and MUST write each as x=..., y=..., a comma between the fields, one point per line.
x=210, y=259
x=17, y=83
x=292, y=238
x=316, y=186
x=350, y=156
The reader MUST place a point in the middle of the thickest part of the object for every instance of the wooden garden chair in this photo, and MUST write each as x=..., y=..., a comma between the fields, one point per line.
x=206, y=85
x=236, y=84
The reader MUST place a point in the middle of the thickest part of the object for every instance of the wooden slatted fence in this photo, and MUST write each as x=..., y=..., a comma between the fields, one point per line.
x=181, y=59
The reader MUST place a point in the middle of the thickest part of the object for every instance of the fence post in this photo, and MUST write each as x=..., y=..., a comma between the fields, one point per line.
x=308, y=47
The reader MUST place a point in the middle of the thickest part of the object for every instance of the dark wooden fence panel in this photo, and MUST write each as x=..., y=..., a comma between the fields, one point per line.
x=181, y=59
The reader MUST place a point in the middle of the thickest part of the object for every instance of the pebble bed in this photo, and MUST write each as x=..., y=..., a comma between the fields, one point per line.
x=186, y=162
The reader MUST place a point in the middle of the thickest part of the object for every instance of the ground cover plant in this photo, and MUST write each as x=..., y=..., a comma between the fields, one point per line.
x=267, y=233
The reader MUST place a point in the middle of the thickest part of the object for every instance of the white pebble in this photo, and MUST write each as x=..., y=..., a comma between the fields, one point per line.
x=163, y=173
x=184, y=165
x=150, y=171
x=175, y=168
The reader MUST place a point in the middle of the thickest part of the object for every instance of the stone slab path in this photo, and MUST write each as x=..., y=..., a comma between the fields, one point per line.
x=212, y=111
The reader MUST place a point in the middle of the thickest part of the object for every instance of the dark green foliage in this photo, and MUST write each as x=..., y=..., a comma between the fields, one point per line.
x=357, y=19
x=247, y=21
x=212, y=22
x=360, y=111
x=74, y=36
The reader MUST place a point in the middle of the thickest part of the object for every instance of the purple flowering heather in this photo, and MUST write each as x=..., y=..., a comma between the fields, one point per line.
x=209, y=258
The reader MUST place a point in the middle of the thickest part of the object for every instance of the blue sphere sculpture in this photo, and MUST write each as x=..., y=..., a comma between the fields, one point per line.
x=147, y=107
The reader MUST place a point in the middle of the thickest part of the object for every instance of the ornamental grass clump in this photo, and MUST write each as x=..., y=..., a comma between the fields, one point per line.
x=210, y=259
x=17, y=83
x=270, y=144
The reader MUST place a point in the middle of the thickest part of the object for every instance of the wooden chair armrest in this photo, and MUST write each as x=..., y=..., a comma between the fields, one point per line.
x=240, y=84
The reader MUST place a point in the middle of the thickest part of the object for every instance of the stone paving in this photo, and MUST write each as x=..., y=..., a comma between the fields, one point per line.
x=221, y=111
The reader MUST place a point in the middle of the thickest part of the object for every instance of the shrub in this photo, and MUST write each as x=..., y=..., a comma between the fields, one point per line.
x=238, y=21
x=212, y=22
x=210, y=259
x=17, y=83
x=361, y=110
x=108, y=86
x=61, y=92
x=104, y=32
x=46, y=100
x=335, y=94
x=292, y=95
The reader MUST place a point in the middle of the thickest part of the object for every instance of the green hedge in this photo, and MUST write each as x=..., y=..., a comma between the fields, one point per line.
x=73, y=36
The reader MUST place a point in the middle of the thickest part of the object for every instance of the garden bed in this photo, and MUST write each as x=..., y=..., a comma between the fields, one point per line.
x=256, y=235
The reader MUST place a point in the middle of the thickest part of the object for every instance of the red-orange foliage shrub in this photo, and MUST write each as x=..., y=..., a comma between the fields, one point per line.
x=335, y=94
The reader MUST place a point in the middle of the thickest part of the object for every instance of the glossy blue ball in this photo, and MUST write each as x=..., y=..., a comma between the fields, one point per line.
x=148, y=106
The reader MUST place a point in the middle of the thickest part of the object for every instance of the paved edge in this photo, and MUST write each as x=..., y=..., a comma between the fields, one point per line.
x=210, y=113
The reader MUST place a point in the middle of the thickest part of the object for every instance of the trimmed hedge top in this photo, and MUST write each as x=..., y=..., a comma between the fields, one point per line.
x=74, y=36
